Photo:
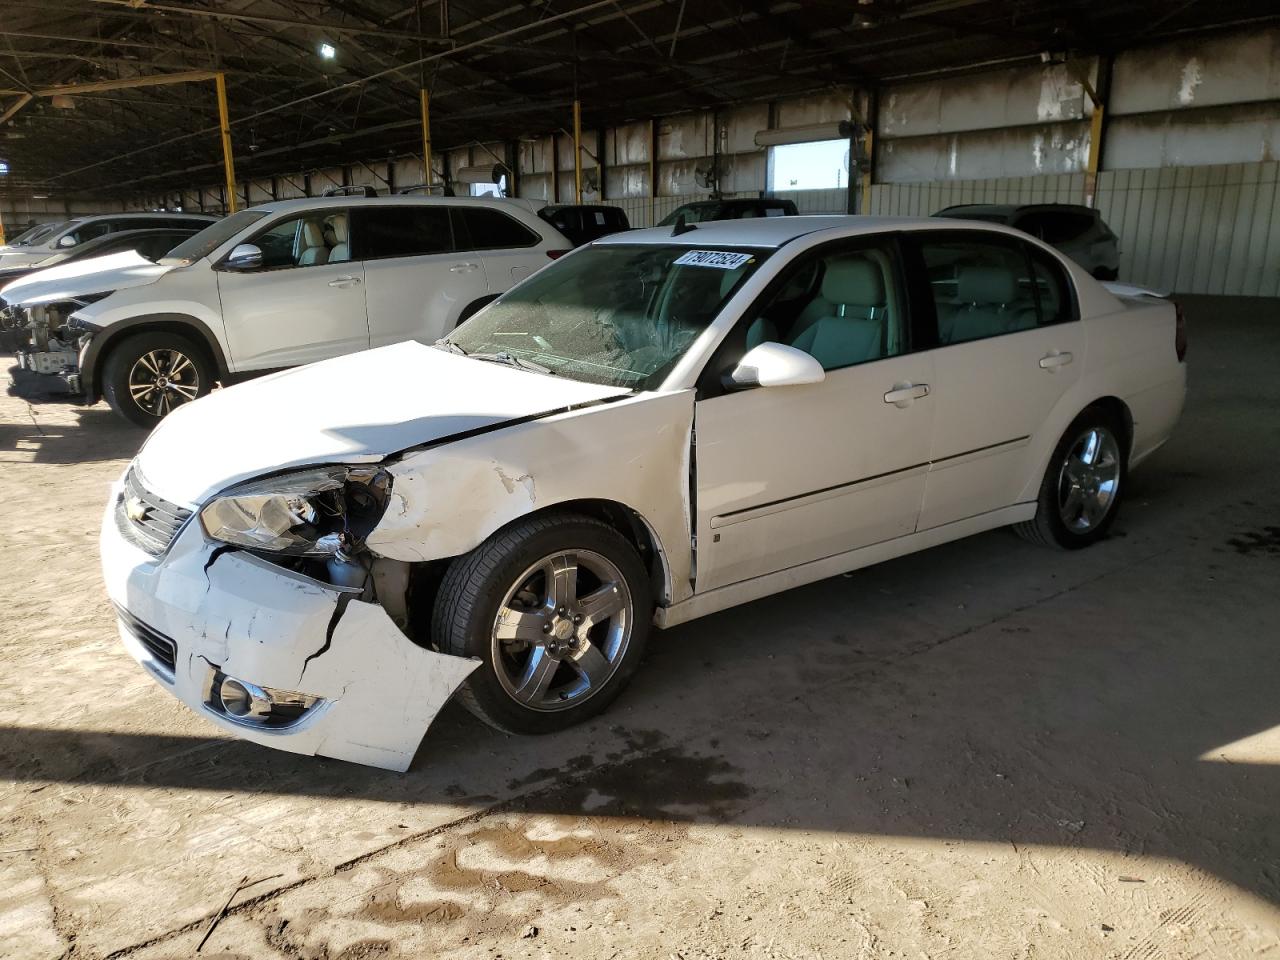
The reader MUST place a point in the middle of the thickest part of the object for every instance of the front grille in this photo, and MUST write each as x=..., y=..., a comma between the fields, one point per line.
x=145, y=519
x=161, y=648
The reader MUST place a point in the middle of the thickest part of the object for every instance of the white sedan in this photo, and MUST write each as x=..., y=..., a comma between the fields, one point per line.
x=661, y=425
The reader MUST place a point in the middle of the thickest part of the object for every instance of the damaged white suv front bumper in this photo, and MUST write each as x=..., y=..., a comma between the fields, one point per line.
x=268, y=654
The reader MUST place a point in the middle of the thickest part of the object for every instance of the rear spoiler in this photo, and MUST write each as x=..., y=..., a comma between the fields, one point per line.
x=1130, y=290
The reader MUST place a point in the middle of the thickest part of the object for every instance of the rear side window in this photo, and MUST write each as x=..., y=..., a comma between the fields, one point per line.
x=1052, y=288
x=402, y=232
x=981, y=287
x=480, y=228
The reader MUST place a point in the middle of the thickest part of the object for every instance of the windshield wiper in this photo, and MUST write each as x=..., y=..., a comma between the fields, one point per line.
x=511, y=360
x=451, y=347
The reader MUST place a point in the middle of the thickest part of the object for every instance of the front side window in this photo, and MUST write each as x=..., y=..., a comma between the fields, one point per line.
x=982, y=287
x=485, y=229
x=212, y=237
x=402, y=231
x=90, y=230
x=619, y=314
x=842, y=307
x=310, y=240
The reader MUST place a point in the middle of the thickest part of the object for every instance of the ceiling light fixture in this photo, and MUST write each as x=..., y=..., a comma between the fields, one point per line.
x=328, y=51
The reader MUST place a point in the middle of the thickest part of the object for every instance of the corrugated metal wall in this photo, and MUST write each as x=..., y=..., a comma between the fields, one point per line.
x=1188, y=175
x=1212, y=229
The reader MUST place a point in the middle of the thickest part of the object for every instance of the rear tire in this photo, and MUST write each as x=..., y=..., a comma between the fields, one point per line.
x=1083, y=484
x=558, y=609
x=147, y=375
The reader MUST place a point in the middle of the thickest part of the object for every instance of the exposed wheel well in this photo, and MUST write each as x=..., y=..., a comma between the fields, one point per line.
x=1120, y=410
x=426, y=576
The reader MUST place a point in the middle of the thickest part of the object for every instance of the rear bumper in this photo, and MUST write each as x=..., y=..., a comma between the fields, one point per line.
x=201, y=610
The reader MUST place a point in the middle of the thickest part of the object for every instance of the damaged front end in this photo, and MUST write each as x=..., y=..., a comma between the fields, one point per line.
x=265, y=612
x=47, y=339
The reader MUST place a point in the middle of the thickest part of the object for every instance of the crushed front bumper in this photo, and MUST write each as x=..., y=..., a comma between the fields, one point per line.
x=201, y=610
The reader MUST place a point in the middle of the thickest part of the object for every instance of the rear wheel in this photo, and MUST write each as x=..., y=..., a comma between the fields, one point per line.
x=1081, y=490
x=558, y=610
x=147, y=376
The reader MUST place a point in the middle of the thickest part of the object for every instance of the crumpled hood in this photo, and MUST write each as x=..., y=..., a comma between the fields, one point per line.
x=353, y=409
x=79, y=278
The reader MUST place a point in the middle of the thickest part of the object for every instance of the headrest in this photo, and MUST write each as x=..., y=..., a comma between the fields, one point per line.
x=986, y=285
x=312, y=234
x=853, y=280
x=338, y=224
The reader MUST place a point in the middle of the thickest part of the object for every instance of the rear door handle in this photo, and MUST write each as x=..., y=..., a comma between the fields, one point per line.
x=344, y=282
x=1051, y=361
x=903, y=394
x=464, y=267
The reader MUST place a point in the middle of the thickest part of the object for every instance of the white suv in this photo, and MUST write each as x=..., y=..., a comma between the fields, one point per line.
x=292, y=282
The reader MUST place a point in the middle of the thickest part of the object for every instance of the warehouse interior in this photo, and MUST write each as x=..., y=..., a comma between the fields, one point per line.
x=977, y=750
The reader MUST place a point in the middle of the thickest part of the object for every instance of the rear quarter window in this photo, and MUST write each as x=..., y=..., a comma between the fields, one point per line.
x=481, y=228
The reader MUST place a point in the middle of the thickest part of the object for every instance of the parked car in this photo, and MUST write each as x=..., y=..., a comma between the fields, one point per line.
x=69, y=233
x=287, y=283
x=738, y=209
x=25, y=235
x=32, y=334
x=152, y=244
x=317, y=560
x=1076, y=230
x=584, y=222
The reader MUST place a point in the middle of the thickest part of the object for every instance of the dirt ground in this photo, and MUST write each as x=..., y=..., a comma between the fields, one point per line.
x=987, y=750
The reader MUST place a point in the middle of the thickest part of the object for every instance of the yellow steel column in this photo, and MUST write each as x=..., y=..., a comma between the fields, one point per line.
x=653, y=172
x=426, y=136
x=1095, y=155
x=228, y=162
x=868, y=148
x=577, y=149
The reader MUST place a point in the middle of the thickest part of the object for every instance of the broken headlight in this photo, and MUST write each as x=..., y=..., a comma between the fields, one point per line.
x=308, y=513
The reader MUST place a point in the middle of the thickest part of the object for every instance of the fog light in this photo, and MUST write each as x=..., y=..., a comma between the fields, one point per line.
x=244, y=699
x=261, y=706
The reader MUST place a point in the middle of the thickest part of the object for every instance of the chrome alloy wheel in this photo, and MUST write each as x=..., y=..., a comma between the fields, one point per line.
x=163, y=379
x=1089, y=480
x=562, y=630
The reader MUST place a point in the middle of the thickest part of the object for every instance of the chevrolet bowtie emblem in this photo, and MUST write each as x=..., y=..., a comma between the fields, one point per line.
x=135, y=509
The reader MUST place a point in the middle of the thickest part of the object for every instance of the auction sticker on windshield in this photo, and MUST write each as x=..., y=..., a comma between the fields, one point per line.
x=720, y=259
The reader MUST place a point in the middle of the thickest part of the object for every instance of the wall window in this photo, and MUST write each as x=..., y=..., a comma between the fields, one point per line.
x=821, y=165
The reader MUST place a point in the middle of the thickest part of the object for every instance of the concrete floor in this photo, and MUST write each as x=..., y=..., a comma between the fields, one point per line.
x=989, y=749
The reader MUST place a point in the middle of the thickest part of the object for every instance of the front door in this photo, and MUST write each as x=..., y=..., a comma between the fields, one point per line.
x=1010, y=347
x=788, y=475
x=299, y=306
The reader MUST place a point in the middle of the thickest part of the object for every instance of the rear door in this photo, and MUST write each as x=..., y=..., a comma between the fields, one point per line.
x=298, y=307
x=1009, y=347
x=508, y=249
x=418, y=285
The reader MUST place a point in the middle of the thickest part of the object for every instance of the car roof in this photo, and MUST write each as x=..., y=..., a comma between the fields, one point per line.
x=774, y=232
x=396, y=200
x=1009, y=209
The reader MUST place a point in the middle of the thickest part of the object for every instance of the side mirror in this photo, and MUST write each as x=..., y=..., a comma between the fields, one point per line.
x=68, y=241
x=245, y=256
x=775, y=365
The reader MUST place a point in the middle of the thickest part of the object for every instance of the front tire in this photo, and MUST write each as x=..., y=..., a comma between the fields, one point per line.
x=1082, y=486
x=148, y=375
x=558, y=609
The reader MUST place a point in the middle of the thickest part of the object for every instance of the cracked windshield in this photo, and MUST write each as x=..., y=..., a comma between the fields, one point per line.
x=619, y=314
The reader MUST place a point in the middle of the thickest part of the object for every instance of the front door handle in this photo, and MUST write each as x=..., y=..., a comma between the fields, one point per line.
x=344, y=282
x=904, y=394
x=464, y=267
x=1051, y=361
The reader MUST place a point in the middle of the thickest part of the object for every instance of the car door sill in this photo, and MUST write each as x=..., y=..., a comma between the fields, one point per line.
x=731, y=595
